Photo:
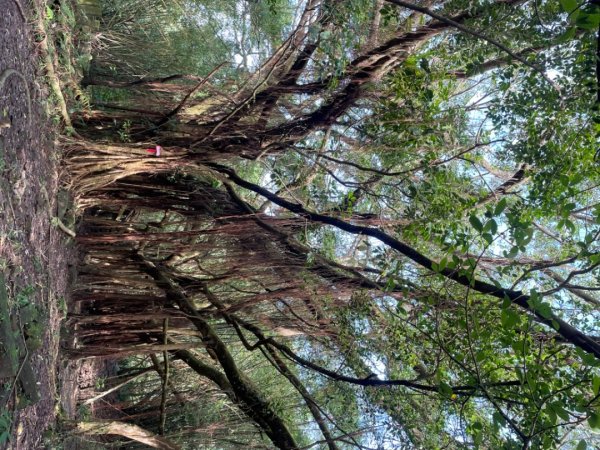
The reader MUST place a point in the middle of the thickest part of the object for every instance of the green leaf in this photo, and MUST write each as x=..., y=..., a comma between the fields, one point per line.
x=493, y=226
x=445, y=389
x=582, y=445
x=500, y=207
x=478, y=438
x=443, y=263
x=588, y=21
x=596, y=384
x=509, y=318
x=391, y=284
x=587, y=358
x=534, y=298
x=560, y=411
x=514, y=251
x=551, y=414
x=401, y=311
x=567, y=35
x=521, y=347
x=594, y=420
x=544, y=310
x=49, y=13
x=567, y=223
x=568, y=5
x=476, y=223
x=498, y=418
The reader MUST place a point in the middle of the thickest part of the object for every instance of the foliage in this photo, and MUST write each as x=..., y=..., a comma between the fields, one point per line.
x=5, y=425
x=156, y=39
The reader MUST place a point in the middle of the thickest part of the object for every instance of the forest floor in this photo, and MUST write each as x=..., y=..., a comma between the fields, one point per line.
x=38, y=384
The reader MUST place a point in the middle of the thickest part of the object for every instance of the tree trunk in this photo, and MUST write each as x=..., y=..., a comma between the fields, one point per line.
x=132, y=432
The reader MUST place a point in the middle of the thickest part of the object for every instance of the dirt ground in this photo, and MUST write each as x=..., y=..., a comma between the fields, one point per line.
x=34, y=254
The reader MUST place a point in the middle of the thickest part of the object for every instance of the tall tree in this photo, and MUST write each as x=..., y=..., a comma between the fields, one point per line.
x=393, y=219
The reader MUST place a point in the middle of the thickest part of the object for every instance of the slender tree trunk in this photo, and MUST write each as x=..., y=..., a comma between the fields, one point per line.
x=133, y=432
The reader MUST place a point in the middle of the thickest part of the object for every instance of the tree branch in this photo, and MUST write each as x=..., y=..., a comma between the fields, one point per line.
x=570, y=333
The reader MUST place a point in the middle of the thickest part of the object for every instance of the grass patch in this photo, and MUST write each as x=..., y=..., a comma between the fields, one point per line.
x=5, y=426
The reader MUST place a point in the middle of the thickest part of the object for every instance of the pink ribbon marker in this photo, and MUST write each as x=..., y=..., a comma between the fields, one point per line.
x=155, y=151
